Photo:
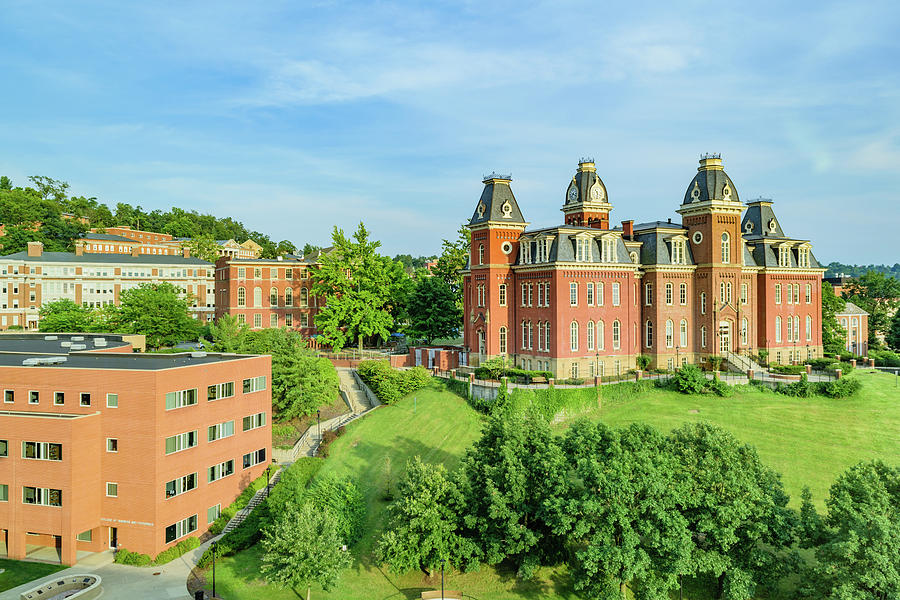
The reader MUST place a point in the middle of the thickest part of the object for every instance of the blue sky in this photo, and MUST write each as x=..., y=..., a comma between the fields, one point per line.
x=293, y=117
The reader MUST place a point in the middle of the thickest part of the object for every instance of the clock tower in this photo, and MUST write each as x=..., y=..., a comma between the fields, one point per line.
x=496, y=226
x=586, y=202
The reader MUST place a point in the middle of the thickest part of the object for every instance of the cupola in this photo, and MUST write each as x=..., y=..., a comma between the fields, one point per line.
x=586, y=202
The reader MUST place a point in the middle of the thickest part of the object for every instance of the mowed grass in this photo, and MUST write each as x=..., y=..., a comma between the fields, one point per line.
x=809, y=441
x=18, y=572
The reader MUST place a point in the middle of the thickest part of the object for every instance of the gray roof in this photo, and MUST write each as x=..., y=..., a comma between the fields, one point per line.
x=562, y=248
x=711, y=184
x=758, y=219
x=584, y=180
x=36, y=342
x=851, y=309
x=655, y=224
x=496, y=195
x=109, y=360
x=142, y=259
x=764, y=255
x=108, y=237
x=654, y=247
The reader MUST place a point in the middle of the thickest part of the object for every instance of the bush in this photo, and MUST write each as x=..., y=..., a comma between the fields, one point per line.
x=571, y=381
x=689, y=379
x=799, y=389
x=185, y=545
x=822, y=364
x=346, y=502
x=390, y=385
x=642, y=361
x=514, y=373
x=841, y=388
x=885, y=358
x=293, y=483
x=218, y=526
x=788, y=369
x=327, y=438
x=135, y=559
x=719, y=388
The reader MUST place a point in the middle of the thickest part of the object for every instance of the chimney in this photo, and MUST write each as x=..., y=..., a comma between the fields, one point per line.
x=136, y=250
x=35, y=248
x=185, y=252
x=628, y=228
x=79, y=248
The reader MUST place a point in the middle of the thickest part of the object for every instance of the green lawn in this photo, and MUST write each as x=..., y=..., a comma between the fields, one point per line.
x=808, y=440
x=18, y=572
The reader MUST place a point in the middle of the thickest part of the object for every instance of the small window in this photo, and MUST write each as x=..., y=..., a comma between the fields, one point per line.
x=59, y=398
x=34, y=397
x=85, y=536
x=112, y=444
x=112, y=490
x=4, y=448
x=254, y=458
x=254, y=421
x=9, y=396
x=213, y=512
x=85, y=399
x=112, y=401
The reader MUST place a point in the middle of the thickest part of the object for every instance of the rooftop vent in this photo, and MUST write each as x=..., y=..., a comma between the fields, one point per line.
x=100, y=343
x=51, y=337
x=198, y=354
x=43, y=360
x=79, y=347
x=65, y=344
x=77, y=338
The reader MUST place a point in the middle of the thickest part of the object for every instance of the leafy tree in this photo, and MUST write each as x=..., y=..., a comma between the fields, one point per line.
x=621, y=512
x=5, y=183
x=204, y=247
x=834, y=337
x=879, y=295
x=310, y=248
x=508, y=478
x=433, y=312
x=859, y=554
x=301, y=380
x=736, y=510
x=893, y=336
x=357, y=287
x=454, y=256
x=66, y=316
x=343, y=498
x=423, y=523
x=303, y=546
x=157, y=311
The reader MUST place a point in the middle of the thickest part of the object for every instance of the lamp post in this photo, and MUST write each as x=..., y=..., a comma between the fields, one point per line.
x=214, y=567
x=268, y=470
x=318, y=427
x=807, y=353
x=442, y=579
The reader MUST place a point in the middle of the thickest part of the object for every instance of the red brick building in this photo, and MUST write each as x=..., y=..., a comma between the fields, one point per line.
x=583, y=298
x=267, y=292
x=102, y=449
x=855, y=322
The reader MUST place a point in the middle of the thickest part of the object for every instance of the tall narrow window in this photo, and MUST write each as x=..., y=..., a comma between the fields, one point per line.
x=744, y=331
x=304, y=297
x=503, y=340
x=728, y=292
x=702, y=303
x=682, y=294
x=616, y=334
x=599, y=293
x=648, y=294
x=524, y=335
x=670, y=333
x=744, y=293
x=530, y=338
x=615, y=294
x=669, y=294
x=530, y=293
x=683, y=334
x=796, y=329
x=808, y=328
x=808, y=293
x=590, y=294
x=601, y=335
x=288, y=297
x=590, y=335
x=573, y=336
x=777, y=293
x=777, y=329
x=241, y=296
x=726, y=248
x=257, y=296
x=703, y=336
x=573, y=294
x=501, y=294
x=648, y=334
x=273, y=297
x=481, y=254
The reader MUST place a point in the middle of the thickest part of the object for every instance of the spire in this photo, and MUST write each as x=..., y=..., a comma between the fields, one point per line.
x=497, y=203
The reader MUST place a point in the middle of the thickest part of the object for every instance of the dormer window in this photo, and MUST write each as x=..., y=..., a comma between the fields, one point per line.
x=582, y=249
x=525, y=245
x=678, y=252
x=803, y=258
x=609, y=248
x=784, y=256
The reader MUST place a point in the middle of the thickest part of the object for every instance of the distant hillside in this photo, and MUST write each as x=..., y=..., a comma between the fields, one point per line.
x=836, y=269
x=44, y=211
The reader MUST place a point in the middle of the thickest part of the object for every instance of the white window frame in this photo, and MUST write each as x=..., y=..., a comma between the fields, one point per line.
x=116, y=441
x=115, y=493
x=112, y=400
x=217, y=471
x=573, y=293
x=219, y=431
x=616, y=297
x=573, y=336
x=182, y=441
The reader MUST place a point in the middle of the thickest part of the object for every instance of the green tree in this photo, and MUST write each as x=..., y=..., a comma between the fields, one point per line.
x=879, y=295
x=228, y=334
x=453, y=258
x=66, y=316
x=157, y=311
x=834, y=337
x=204, y=247
x=621, y=513
x=508, y=478
x=893, y=336
x=433, y=312
x=357, y=287
x=736, y=510
x=859, y=554
x=303, y=546
x=423, y=522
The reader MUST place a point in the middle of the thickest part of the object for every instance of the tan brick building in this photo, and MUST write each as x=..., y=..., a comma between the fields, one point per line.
x=101, y=448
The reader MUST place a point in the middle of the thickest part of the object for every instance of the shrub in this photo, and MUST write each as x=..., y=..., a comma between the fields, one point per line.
x=135, y=559
x=293, y=483
x=719, y=388
x=689, y=379
x=327, y=438
x=571, y=381
x=799, y=389
x=885, y=358
x=185, y=545
x=642, y=361
x=346, y=502
x=841, y=388
x=390, y=385
x=218, y=526
x=788, y=369
x=822, y=364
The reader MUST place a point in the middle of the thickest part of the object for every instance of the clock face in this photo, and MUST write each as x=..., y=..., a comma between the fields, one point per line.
x=597, y=192
x=698, y=237
x=573, y=194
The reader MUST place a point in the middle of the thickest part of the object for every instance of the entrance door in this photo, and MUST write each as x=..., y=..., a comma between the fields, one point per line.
x=724, y=336
x=431, y=359
x=481, y=344
x=418, y=358
x=113, y=537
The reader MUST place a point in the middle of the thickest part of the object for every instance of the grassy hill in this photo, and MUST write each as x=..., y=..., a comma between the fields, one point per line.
x=808, y=440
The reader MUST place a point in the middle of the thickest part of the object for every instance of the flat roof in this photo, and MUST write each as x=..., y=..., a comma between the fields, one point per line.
x=40, y=344
x=114, y=361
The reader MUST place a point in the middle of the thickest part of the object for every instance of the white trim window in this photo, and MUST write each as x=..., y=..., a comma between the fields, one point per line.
x=615, y=294
x=219, y=391
x=540, y=294
x=777, y=329
x=796, y=329
x=744, y=330
x=573, y=294
x=530, y=293
x=41, y=496
x=502, y=336
x=808, y=293
x=219, y=431
x=181, y=398
x=726, y=248
x=745, y=293
x=683, y=333
x=254, y=384
x=223, y=469
x=522, y=294
x=254, y=421
x=808, y=328
x=599, y=293
x=112, y=445
x=112, y=401
x=524, y=334
x=252, y=459
x=616, y=335
x=590, y=293
x=501, y=294
x=648, y=334
x=573, y=336
x=609, y=250
x=181, y=528
x=777, y=293
x=648, y=294
x=181, y=441
x=670, y=333
x=669, y=294
x=682, y=294
x=42, y=451
x=703, y=336
x=180, y=485
x=590, y=335
x=702, y=303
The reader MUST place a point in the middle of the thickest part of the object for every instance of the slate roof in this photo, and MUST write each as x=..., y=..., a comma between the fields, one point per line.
x=143, y=259
x=757, y=218
x=711, y=183
x=495, y=195
x=108, y=237
x=765, y=255
x=562, y=248
x=654, y=247
x=851, y=309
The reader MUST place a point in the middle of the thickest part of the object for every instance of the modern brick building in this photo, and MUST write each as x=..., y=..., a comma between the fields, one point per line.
x=583, y=298
x=31, y=278
x=125, y=240
x=101, y=448
x=268, y=292
x=855, y=321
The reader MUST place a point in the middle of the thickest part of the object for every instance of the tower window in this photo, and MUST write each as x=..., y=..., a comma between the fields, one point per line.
x=726, y=248
x=481, y=254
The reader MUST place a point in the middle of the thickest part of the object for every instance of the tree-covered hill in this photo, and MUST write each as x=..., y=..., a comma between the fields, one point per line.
x=836, y=269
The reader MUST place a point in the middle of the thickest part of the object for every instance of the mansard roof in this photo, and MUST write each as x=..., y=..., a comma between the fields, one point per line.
x=656, y=248
x=497, y=202
x=562, y=247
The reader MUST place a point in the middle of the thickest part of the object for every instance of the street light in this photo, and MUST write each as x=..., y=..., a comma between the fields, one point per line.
x=214, y=567
x=442, y=579
x=268, y=470
x=318, y=428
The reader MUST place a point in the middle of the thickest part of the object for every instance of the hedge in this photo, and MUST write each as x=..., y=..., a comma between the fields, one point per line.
x=390, y=385
x=136, y=559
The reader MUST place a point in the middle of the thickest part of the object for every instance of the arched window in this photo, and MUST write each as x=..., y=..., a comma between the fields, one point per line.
x=669, y=294
x=288, y=297
x=530, y=338
x=590, y=335
x=304, y=297
x=808, y=328
x=703, y=303
x=481, y=254
x=777, y=329
x=744, y=331
x=540, y=337
x=273, y=297
x=808, y=293
x=682, y=294
x=726, y=248
x=648, y=334
x=524, y=334
x=648, y=294
x=728, y=292
x=501, y=294
x=573, y=336
x=703, y=336
x=796, y=329
x=257, y=296
x=503, y=340
x=547, y=336
x=722, y=292
x=670, y=333
x=682, y=334
x=601, y=335
x=616, y=334
x=242, y=296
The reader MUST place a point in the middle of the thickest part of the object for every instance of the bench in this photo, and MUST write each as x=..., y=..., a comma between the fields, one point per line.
x=448, y=595
x=538, y=380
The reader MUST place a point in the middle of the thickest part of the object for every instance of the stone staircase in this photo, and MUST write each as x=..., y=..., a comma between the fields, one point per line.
x=354, y=394
x=741, y=363
x=255, y=501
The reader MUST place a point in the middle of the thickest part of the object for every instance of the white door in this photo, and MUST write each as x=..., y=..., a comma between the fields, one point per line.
x=724, y=336
x=431, y=359
x=418, y=358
